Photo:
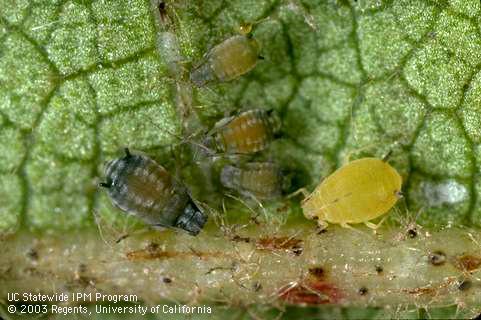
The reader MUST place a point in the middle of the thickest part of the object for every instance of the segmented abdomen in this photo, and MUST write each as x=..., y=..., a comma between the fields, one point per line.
x=248, y=133
x=145, y=188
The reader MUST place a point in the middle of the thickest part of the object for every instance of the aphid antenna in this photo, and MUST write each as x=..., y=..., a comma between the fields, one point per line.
x=347, y=157
x=302, y=191
x=286, y=288
x=97, y=220
x=408, y=220
x=254, y=198
x=386, y=157
x=297, y=6
x=220, y=219
x=184, y=140
x=256, y=214
x=42, y=26
x=473, y=239
x=245, y=28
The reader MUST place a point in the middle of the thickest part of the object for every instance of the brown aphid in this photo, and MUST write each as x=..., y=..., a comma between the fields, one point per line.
x=261, y=180
x=139, y=186
x=226, y=61
x=249, y=132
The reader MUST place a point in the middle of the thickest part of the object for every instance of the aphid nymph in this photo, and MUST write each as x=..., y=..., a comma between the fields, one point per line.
x=139, y=186
x=359, y=191
x=262, y=180
x=246, y=133
x=226, y=61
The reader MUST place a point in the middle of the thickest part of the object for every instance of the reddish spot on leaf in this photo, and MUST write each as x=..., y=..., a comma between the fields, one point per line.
x=311, y=293
x=468, y=262
x=153, y=252
x=280, y=243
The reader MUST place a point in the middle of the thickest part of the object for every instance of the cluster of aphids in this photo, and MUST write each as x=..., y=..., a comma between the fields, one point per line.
x=357, y=192
x=138, y=185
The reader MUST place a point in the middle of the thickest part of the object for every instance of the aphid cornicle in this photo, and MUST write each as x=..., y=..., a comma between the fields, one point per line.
x=359, y=191
x=249, y=132
x=263, y=180
x=228, y=60
x=139, y=186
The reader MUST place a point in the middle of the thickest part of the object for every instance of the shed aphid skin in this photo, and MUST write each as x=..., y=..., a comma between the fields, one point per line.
x=228, y=60
x=359, y=191
x=249, y=132
x=139, y=186
x=261, y=180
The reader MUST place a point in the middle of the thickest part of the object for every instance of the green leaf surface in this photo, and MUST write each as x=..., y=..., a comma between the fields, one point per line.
x=80, y=80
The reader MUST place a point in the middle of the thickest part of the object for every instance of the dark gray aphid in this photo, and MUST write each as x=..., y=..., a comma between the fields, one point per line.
x=139, y=186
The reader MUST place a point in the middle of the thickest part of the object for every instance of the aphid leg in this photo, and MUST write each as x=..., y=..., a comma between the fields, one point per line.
x=387, y=156
x=345, y=225
x=347, y=157
x=322, y=224
x=97, y=220
x=298, y=8
x=255, y=214
x=373, y=225
x=304, y=192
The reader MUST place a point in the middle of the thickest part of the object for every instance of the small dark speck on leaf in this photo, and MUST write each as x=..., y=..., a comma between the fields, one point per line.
x=297, y=251
x=317, y=272
x=412, y=233
x=166, y=280
x=32, y=254
x=379, y=269
x=465, y=285
x=82, y=268
x=437, y=258
x=363, y=291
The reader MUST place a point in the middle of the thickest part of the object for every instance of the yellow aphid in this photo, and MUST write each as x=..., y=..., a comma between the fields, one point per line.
x=360, y=191
x=228, y=60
